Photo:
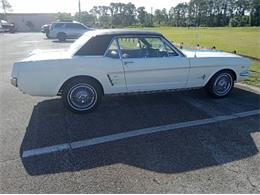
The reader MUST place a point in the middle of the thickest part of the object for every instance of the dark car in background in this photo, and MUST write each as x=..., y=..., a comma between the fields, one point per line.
x=7, y=27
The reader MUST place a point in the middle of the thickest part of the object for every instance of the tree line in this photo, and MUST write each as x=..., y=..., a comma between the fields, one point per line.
x=196, y=13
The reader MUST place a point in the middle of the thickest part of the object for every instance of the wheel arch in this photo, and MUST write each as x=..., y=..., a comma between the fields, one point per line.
x=232, y=71
x=78, y=77
x=61, y=33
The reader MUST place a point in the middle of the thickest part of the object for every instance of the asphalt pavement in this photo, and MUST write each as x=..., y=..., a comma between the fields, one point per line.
x=181, y=142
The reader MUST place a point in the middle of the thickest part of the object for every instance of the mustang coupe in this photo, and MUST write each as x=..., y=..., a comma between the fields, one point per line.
x=104, y=62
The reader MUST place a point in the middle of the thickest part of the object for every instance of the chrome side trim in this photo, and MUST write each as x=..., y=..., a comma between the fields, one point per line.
x=154, y=91
x=110, y=80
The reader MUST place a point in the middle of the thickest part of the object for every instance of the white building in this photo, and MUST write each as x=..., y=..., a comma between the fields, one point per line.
x=26, y=22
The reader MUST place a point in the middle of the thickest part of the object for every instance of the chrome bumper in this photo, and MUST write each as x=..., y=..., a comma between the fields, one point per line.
x=245, y=73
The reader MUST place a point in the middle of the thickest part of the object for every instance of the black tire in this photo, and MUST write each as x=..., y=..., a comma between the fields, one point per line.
x=220, y=90
x=47, y=35
x=61, y=37
x=89, y=88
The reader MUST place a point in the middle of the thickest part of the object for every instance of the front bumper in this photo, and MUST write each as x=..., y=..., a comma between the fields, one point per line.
x=14, y=81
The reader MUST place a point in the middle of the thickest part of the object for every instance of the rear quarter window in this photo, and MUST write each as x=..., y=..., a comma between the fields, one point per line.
x=96, y=46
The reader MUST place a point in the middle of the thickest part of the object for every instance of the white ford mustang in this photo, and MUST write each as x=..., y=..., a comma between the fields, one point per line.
x=105, y=62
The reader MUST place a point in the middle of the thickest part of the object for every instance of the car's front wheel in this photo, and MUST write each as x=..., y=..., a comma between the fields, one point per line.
x=62, y=37
x=221, y=84
x=48, y=35
x=82, y=95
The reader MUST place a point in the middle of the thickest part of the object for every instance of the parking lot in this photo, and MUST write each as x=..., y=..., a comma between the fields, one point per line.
x=159, y=143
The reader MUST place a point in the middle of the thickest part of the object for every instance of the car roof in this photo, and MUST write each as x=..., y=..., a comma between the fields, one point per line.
x=73, y=22
x=117, y=32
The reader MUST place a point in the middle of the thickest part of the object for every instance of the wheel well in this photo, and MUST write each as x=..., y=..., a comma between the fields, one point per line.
x=233, y=73
x=61, y=33
x=79, y=77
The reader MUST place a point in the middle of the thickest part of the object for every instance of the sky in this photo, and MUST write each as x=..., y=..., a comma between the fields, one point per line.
x=71, y=6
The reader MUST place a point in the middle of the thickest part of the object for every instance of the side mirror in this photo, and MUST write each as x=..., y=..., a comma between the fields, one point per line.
x=125, y=55
x=113, y=54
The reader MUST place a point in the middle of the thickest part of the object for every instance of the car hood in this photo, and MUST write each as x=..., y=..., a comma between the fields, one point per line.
x=41, y=55
x=215, y=57
x=207, y=53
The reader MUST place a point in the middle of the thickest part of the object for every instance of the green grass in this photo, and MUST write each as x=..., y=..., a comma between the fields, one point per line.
x=244, y=40
x=254, y=79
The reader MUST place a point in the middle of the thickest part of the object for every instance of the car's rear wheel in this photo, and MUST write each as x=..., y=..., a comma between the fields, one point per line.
x=62, y=37
x=82, y=95
x=221, y=84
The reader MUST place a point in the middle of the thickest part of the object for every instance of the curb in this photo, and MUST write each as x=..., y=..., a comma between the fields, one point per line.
x=248, y=88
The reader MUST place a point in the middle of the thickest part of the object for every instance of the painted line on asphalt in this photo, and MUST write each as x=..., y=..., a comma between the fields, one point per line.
x=134, y=133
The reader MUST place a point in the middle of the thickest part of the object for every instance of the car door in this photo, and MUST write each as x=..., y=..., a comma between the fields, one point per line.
x=152, y=64
x=113, y=69
x=105, y=66
x=72, y=30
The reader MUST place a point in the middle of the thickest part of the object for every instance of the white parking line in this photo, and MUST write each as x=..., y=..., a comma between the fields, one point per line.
x=134, y=133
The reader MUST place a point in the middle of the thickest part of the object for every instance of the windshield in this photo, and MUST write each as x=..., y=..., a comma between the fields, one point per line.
x=80, y=42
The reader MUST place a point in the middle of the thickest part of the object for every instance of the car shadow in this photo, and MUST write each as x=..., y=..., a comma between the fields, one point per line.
x=175, y=151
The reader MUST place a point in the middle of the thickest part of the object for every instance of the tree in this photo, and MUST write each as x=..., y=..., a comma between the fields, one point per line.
x=255, y=13
x=5, y=5
x=86, y=18
x=195, y=13
x=141, y=15
x=63, y=16
x=179, y=15
x=158, y=16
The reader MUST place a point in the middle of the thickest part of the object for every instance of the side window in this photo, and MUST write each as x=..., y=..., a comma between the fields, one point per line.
x=79, y=26
x=157, y=48
x=59, y=25
x=70, y=25
x=96, y=46
x=75, y=26
x=112, y=51
x=131, y=47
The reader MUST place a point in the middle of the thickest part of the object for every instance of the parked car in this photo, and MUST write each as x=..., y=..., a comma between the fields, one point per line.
x=67, y=30
x=7, y=27
x=104, y=62
x=46, y=30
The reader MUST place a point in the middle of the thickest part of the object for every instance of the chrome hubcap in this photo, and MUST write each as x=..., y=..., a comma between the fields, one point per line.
x=223, y=84
x=82, y=97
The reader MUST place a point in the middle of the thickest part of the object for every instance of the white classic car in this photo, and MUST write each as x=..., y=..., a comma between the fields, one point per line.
x=104, y=62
